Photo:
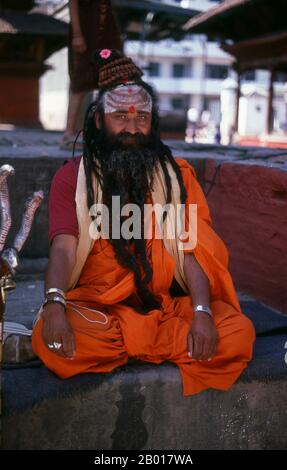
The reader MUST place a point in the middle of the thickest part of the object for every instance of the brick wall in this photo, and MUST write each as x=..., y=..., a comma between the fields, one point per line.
x=248, y=205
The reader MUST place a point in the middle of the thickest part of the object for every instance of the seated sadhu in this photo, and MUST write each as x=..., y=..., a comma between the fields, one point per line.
x=153, y=298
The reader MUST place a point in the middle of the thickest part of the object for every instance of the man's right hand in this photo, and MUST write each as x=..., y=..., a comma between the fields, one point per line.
x=57, y=328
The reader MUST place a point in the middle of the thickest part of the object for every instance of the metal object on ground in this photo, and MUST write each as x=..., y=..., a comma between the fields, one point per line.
x=9, y=257
x=5, y=171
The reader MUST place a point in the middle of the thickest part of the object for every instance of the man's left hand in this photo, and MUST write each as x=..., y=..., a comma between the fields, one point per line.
x=202, y=338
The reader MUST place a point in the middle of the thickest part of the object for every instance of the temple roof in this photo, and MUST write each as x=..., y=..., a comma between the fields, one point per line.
x=253, y=31
x=240, y=19
x=166, y=18
x=13, y=22
x=138, y=20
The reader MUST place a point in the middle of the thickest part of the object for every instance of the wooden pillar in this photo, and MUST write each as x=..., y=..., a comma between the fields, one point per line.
x=238, y=94
x=270, y=102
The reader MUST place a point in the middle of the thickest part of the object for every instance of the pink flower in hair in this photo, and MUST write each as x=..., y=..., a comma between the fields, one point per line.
x=105, y=53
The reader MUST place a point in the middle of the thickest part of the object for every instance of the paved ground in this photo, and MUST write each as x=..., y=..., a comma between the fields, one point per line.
x=23, y=303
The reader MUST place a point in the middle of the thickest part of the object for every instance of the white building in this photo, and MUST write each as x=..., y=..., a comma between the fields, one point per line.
x=186, y=74
x=190, y=73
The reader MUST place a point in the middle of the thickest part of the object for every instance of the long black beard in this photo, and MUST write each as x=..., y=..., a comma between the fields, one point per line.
x=128, y=172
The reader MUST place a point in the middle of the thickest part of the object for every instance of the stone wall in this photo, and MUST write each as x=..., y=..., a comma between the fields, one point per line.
x=31, y=175
x=248, y=205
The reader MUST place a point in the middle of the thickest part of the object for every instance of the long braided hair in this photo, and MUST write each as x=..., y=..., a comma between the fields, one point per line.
x=136, y=262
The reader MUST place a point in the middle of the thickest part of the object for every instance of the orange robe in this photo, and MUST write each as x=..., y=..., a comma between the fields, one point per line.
x=161, y=335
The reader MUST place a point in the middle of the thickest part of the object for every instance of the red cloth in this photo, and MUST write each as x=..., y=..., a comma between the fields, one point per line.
x=62, y=205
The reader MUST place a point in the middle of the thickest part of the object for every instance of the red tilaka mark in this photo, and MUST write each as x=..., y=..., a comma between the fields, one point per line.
x=132, y=109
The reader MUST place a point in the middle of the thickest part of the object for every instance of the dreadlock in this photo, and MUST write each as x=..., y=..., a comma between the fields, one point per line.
x=136, y=262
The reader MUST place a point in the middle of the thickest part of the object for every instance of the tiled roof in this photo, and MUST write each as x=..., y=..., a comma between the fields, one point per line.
x=31, y=23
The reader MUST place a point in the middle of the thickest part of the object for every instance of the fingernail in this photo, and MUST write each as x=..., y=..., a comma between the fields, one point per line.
x=189, y=354
x=209, y=359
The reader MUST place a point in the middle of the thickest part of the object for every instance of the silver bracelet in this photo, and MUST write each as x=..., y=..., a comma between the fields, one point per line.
x=54, y=300
x=203, y=308
x=55, y=290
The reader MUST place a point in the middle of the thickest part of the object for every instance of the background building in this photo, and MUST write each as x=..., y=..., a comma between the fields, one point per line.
x=186, y=74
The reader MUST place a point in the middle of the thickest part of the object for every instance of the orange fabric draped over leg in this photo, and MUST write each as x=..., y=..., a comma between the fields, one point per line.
x=160, y=335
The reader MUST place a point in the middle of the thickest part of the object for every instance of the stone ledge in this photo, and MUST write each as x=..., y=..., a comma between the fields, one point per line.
x=142, y=407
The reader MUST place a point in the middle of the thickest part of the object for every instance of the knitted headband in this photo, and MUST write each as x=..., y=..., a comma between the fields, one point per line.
x=130, y=97
x=115, y=68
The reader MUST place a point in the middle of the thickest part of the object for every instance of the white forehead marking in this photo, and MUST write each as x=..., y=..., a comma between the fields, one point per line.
x=125, y=96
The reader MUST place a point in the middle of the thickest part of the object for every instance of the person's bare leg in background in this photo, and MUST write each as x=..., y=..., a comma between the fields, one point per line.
x=75, y=101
